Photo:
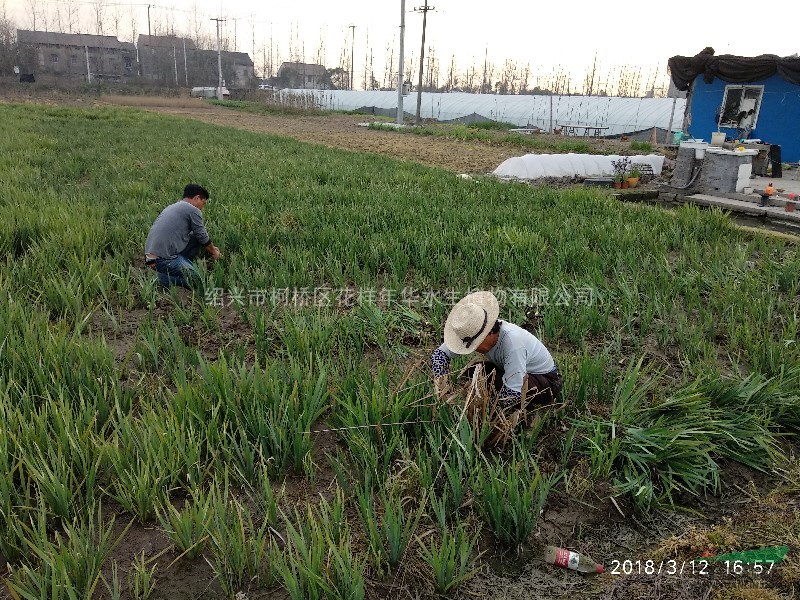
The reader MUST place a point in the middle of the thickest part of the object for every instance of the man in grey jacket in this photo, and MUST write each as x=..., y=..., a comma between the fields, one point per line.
x=176, y=238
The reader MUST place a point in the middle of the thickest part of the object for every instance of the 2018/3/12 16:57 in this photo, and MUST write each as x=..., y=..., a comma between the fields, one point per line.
x=700, y=567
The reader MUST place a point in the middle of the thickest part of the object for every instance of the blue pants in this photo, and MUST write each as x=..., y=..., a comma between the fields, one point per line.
x=180, y=270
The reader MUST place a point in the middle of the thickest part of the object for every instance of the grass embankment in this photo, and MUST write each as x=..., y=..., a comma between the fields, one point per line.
x=676, y=333
x=272, y=108
x=493, y=135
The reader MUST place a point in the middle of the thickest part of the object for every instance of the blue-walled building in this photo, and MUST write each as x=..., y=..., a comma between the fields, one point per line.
x=755, y=97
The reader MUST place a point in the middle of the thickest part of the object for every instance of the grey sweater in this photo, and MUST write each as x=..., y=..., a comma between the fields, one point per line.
x=174, y=229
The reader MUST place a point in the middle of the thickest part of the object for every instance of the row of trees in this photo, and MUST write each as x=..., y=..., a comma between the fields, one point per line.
x=509, y=77
x=8, y=42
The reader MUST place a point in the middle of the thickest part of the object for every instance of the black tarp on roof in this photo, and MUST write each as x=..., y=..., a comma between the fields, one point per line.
x=733, y=69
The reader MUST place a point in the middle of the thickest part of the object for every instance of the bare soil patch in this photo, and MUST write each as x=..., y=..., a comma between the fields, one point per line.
x=343, y=132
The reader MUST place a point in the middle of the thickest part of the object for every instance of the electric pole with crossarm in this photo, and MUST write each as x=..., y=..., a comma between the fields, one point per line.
x=352, y=47
x=219, y=59
x=424, y=10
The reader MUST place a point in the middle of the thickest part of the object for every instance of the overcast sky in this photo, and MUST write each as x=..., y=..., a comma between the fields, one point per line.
x=548, y=36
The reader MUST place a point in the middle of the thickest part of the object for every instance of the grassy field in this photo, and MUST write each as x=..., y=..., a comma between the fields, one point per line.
x=276, y=434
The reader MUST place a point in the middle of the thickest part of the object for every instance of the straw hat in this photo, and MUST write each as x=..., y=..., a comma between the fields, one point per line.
x=470, y=322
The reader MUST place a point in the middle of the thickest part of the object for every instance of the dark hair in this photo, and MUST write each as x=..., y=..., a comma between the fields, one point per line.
x=192, y=190
x=495, y=327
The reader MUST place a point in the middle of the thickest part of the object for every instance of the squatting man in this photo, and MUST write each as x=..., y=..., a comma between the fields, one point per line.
x=176, y=238
x=513, y=355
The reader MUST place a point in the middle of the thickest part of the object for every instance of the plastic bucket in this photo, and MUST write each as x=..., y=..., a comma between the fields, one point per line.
x=717, y=139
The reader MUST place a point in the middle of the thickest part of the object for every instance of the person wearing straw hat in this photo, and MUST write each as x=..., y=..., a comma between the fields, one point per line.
x=516, y=357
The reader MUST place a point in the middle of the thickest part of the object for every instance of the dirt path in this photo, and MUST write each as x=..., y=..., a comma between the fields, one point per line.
x=342, y=131
x=331, y=130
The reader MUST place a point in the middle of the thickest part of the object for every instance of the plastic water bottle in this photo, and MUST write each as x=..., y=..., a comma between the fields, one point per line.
x=567, y=559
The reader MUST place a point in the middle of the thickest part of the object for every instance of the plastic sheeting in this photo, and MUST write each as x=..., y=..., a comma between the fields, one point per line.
x=619, y=115
x=536, y=166
x=733, y=69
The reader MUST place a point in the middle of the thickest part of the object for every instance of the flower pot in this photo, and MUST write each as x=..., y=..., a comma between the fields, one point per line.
x=633, y=182
x=790, y=206
x=617, y=185
x=624, y=185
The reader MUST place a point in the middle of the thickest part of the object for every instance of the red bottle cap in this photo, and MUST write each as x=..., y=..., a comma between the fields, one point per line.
x=599, y=568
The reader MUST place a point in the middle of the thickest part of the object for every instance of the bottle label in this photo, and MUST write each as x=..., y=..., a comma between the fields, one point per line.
x=567, y=559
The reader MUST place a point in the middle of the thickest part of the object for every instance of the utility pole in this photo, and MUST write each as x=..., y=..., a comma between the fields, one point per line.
x=424, y=10
x=175, y=64
x=352, y=46
x=88, y=71
x=400, y=68
x=149, y=37
x=185, y=66
x=219, y=59
x=485, y=83
x=671, y=117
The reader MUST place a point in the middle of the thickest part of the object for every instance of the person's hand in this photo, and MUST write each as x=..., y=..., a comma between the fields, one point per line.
x=214, y=252
x=442, y=386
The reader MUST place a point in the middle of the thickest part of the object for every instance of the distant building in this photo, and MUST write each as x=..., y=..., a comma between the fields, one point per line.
x=161, y=56
x=304, y=76
x=65, y=54
x=173, y=60
x=243, y=69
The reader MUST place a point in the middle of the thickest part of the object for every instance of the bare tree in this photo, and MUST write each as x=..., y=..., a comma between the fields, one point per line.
x=319, y=54
x=509, y=78
x=389, y=78
x=433, y=69
x=99, y=16
x=410, y=67
x=294, y=44
x=37, y=12
x=488, y=74
x=116, y=19
x=470, y=79
x=488, y=77
x=367, y=62
x=344, y=63
x=589, y=79
x=524, y=78
x=66, y=16
x=60, y=19
x=169, y=22
x=33, y=10
x=8, y=42
x=452, y=75
x=197, y=26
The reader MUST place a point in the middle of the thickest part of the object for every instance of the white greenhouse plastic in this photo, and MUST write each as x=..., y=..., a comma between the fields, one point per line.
x=536, y=166
x=619, y=115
